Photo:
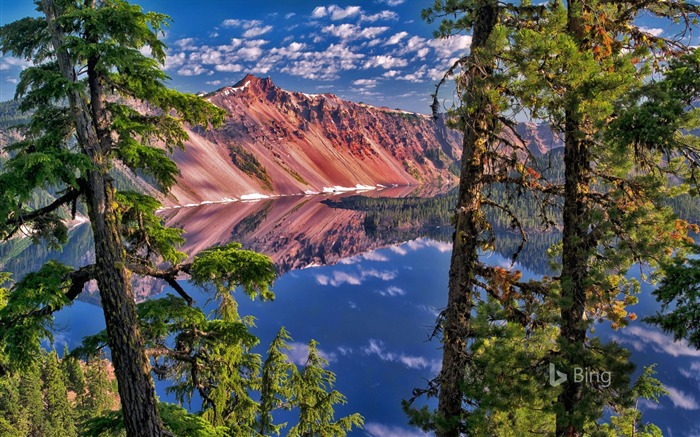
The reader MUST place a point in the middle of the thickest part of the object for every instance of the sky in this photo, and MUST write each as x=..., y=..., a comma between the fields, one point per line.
x=378, y=52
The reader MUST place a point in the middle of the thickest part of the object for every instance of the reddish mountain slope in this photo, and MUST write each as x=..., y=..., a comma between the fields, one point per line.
x=280, y=142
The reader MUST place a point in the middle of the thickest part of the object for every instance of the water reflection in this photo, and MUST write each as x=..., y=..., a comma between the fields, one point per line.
x=369, y=297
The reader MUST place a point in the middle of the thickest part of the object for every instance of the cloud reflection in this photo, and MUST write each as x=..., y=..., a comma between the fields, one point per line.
x=639, y=338
x=376, y=347
x=374, y=429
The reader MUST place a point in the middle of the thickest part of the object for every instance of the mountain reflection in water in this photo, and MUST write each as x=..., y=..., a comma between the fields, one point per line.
x=371, y=299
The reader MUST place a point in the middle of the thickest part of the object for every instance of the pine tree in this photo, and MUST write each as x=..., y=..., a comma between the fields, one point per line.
x=31, y=419
x=275, y=384
x=59, y=414
x=100, y=396
x=87, y=62
x=74, y=375
x=581, y=66
x=482, y=89
x=616, y=175
x=315, y=398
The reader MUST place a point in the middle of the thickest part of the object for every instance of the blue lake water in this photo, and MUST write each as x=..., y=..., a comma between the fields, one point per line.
x=372, y=312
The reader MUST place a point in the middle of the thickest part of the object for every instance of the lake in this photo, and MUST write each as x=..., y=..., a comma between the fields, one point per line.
x=370, y=302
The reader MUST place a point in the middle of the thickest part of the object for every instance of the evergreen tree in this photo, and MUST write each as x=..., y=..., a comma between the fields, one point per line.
x=100, y=396
x=618, y=169
x=582, y=67
x=275, y=384
x=13, y=420
x=87, y=62
x=315, y=399
x=31, y=420
x=59, y=414
x=74, y=375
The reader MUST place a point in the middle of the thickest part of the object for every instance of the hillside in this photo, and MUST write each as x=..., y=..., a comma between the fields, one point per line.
x=281, y=142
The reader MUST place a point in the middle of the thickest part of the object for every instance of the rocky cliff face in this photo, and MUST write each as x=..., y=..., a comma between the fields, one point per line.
x=281, y=142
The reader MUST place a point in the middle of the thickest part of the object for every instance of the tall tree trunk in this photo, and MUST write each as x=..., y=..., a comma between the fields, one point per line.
x=575, y=254
x=131, y=365
x=479, y=125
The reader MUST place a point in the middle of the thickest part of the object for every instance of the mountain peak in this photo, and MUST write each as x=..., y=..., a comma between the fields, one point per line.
x=256, y=81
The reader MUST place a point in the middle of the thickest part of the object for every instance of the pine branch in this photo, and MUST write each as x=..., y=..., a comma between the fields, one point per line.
x=169, y=276
x=69, y=197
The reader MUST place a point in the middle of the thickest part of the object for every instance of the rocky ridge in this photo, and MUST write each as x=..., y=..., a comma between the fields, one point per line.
x=278, y=142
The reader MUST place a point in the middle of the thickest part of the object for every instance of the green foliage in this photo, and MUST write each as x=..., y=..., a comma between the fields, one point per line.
x=10, y=115
x=175, y=418
x=314, y=394
x=60, y=421
x=275, y=384
x=143, y=231
x=21, y=335
x=679, y=295
x=100, y=391
x=229, y=266
x=250, y=165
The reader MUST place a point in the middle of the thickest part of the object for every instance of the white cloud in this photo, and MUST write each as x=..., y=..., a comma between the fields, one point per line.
x=206, y=55
x=9, y=62
x=391, y=73
x=230, y=68
x=383, y=15
x=376, y=347
x=245, y=24
x=289, y=15
x=256, y=31
x=651, y=31
x=393, y=291
x=374, y=429
x=186, y=43
x=385, y=61
x=339, y=278
x=396, y=38
x=398, y=250
x=213, y=82
x=393, y=2
x=351, y=31
x=344, y=350
x=174, y=61
x=299, y=354
x=249, y=53
x=338, y=13
x=448, y=47
x=319, y=12
x=416, y=76
x=335, y=12
x=324, y=65
x=646, y=404
x=12, y=80
x=191, y=70
x=681, y=400
x=639, y=338
x=367, y=83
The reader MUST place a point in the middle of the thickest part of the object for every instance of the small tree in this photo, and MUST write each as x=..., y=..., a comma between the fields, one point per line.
x=59, y=414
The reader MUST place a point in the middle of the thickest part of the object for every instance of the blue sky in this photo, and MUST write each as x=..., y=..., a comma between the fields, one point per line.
x=380, y=51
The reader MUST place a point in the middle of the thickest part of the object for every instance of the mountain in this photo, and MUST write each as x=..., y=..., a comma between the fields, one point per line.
x=281, y=142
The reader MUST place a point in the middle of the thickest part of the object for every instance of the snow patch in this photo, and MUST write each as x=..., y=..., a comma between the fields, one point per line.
x=232, y=89
x=339, y=189
x=365, y=187
x=254, y=196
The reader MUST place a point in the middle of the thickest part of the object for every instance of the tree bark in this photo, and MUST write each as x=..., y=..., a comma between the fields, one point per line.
x=574, y=273
x=131, y=365
x=479, y=129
